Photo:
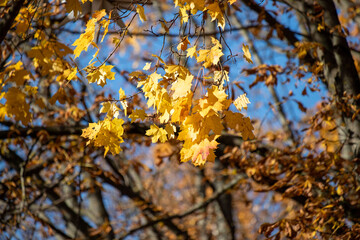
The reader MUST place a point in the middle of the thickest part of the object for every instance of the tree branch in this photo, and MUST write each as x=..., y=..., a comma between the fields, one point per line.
x=191, y=210
x=7, y=21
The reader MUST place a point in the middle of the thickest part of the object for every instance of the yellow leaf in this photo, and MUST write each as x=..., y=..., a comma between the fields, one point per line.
x=339, y=190
x=171, y=130
x=220, y=77
x=138, y=114
x=212, y=56
x=19, y=76
x=17, y=106
x=110, y=108
x=181, y=108
x=73, y=6
x=99, y=14
x=140, y=11
x=122, y=95
x=237, y=122
x=85, y=39
x=204, y=151
x=165, y=117
x=191, y=52
x=91, y=131
x=83, y=42
x=247, y=54
x=212, y=123
x=115, y=40
x=215, y=101
x=31, y=90
x=184, y=17
x=147, y=66
x=99, y=75
x=40, y=35
x=241, y=102
x=216, y=13
x=107, y=133
x=182, y=87
x=204, y=57
x=177, y=71
x=234, y=120
x=125, y=106
x=156, y=133
x=72, y=74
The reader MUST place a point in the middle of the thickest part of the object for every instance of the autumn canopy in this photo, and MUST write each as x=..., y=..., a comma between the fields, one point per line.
x=244, y=114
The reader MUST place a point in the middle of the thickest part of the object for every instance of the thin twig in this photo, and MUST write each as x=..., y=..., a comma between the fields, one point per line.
x=191, y=210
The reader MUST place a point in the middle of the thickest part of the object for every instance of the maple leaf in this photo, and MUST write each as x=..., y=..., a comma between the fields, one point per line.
x=157, y=134
x=204, y=151
x=183, y=44
x=107, y=133
x=17, y=74
x=190, y=128
x=184, y=16
x=85, y=39
x=191, y=52
x=204, y=57
x=177, y=71
x=215, y=101
x=83, y=42
x=138, y=114
x=212, y=56
x=181, y=108
x=241, y=102
x=170, y=130
x=99, y=75
x=234, y=120
x=72, y=74
x=91, y=131
x=247, y=130
x=105, y=24
x=212, y=123
x=124, y=105
x=110, y=108
x=122, y=95
x=61, y=49
x=147, y=66
x=17, y=106
x=247, y=54
x=73, y=6
x=151, y=82
x=165, y=116
x=216, y=13
x=140, y=11
x=182, y=87
x=237, y=122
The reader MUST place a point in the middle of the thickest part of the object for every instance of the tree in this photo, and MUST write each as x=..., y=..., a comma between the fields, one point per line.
x=125, y=119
